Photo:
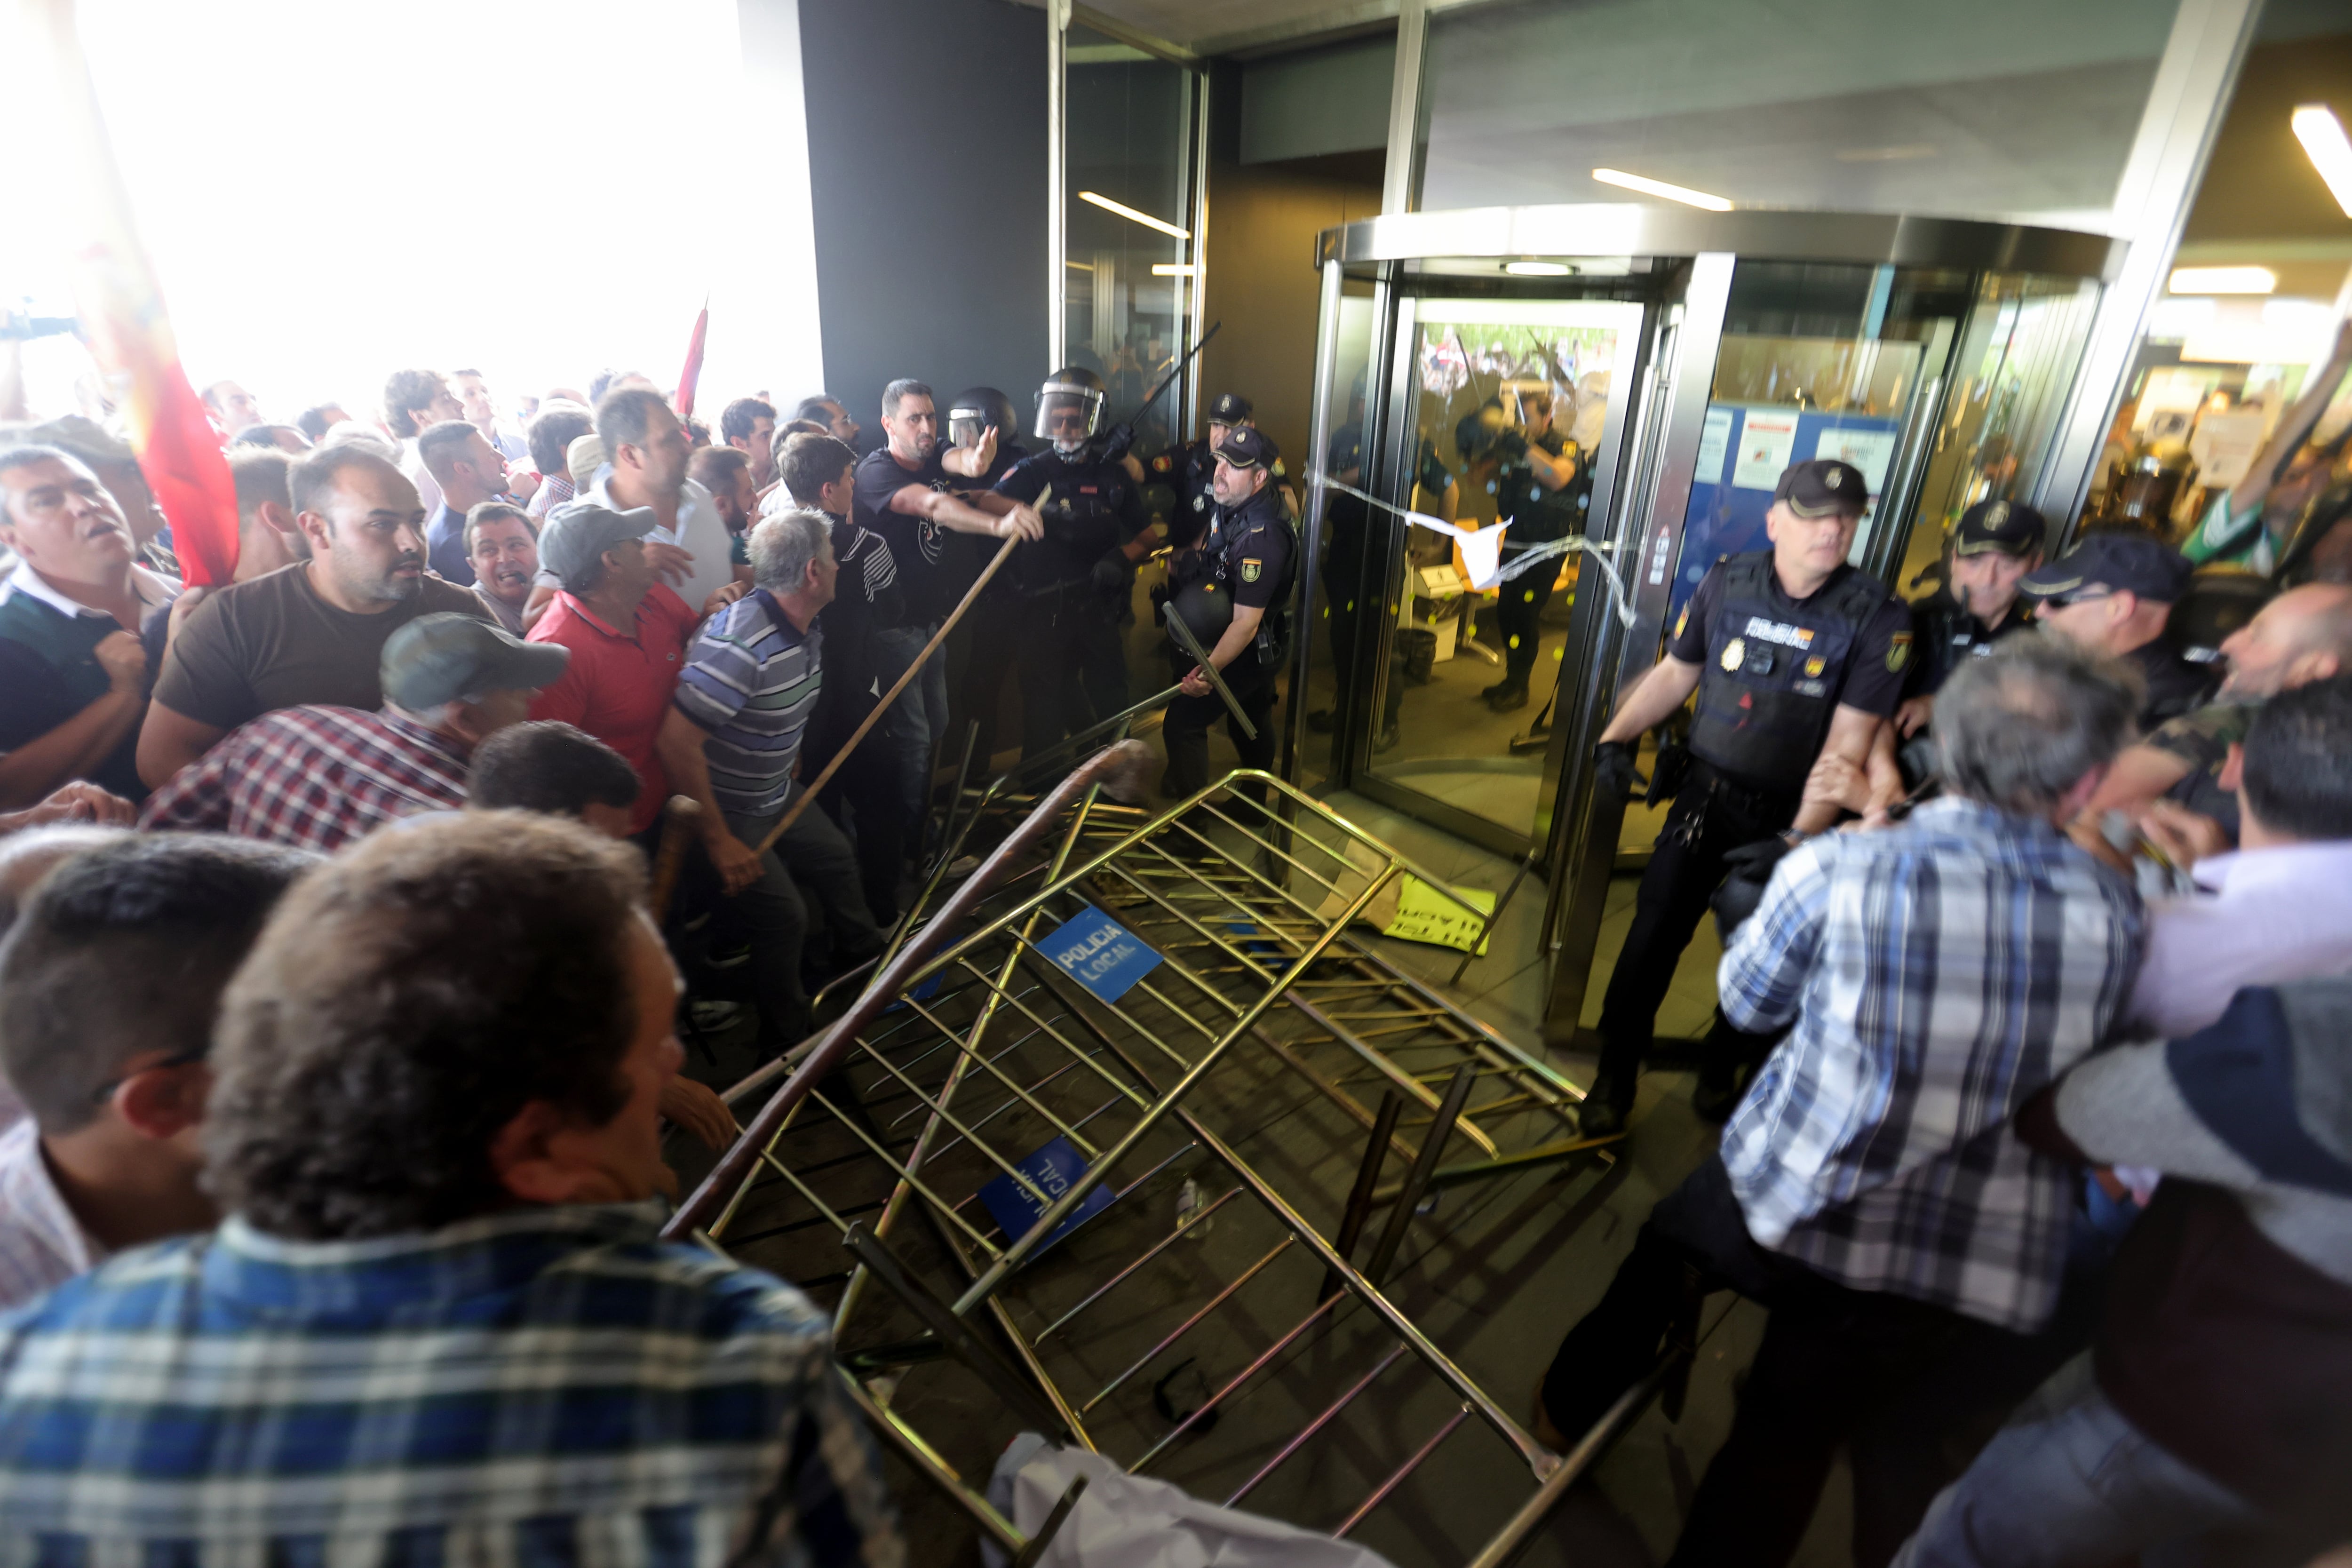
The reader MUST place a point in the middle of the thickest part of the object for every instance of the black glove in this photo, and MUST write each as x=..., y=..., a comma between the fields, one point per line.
x=1115, y=442
x=1510, y=445
x=1747, y=869
x=1109, y=574
x=1614, y=769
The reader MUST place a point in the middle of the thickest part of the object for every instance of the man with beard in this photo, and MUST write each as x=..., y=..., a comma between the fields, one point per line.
x=312, y=632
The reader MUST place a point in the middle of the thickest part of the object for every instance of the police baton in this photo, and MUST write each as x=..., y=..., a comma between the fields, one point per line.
x=1192, y=646
x=792, y=812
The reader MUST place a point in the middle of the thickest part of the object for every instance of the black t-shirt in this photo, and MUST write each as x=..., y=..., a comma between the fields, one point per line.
x=1094, y=508
x=919, y=547
x=865, y=600
x=1873, y=676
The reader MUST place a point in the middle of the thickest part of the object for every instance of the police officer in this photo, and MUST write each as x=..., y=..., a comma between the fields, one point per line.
x=1076, y=580
x=1996, y=544
x=1236, y=583
x=2113, y=594
x=982, y=435
x=1190, y=470
x=1532, y=473
x=1792, y=653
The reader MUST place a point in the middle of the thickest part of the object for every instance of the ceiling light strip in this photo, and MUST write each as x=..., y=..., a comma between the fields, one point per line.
x=1128, y=213
x=1659, y=188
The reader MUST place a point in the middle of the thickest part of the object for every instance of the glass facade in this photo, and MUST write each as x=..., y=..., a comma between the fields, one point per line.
x=1132, y=247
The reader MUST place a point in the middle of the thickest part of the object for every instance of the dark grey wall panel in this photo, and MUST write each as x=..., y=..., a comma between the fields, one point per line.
x=927, y=172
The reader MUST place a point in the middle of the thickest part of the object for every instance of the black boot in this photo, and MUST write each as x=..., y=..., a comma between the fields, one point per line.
x=1507, y=694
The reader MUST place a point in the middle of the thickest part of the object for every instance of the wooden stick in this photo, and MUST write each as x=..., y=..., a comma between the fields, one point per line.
x=792, y=812
x=678, y=825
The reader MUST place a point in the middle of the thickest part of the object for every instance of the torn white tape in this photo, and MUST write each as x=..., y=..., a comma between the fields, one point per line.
x=1481, y=548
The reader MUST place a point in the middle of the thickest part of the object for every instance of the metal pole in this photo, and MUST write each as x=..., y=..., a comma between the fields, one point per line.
x=1057, y=207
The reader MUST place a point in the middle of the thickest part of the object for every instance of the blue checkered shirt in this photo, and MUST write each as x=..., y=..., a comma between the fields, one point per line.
x=1936, y=973
x=543, y=1385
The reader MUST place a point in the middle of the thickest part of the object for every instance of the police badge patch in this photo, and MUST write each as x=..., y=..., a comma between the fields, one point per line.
x=1249, y=569
x=1898, y=652
x=1813, y=667
x=1734, y=654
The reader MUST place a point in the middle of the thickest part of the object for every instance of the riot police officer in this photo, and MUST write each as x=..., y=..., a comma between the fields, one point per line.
x=1534, y=475
x=1234, y=592
x=1075, y=581
x=1792, y=653
x=982, y=435
x=982, y=446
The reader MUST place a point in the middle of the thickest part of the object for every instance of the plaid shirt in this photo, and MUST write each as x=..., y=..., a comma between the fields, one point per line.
x=1937, y=974
x=313, y=777
x=536, y=1386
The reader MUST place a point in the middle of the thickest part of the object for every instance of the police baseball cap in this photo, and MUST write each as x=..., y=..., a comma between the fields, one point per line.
x=2129, y=562
x=1229, y=408
x=2012, y=528
x=438, y=658
x=1247, y=447
x=1820, y=486
x=578, y=532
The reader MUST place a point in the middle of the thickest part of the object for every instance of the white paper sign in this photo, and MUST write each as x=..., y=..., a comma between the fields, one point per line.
x=1869, y=451
x=2224, y=447
x=1714, y=446
x=1767, y=443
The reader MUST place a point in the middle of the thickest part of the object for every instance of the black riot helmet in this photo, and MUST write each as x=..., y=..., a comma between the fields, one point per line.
x=1071, y=388
x=1480, y=430
x=973, y=410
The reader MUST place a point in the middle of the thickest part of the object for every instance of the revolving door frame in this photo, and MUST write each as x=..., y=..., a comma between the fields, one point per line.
x=1678, y=264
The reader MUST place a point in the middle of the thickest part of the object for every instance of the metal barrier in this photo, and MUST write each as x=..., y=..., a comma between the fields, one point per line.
x=995, y=1137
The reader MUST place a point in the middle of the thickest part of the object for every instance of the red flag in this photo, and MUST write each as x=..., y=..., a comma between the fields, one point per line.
x=130, y=334
x=693, y=371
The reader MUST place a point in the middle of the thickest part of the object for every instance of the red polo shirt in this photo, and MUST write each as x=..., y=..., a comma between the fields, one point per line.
x=618, y=686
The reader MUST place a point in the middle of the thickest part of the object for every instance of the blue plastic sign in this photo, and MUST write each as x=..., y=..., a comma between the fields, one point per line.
x=1052, y=1169
x=1100, y=954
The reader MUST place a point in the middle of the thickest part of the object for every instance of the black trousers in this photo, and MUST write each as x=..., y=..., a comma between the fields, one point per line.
x=983, y=650
x=866, y=800
x=1885, y=1375
x=1519, y=615
x=1710, y=817
x=1186, y=729
x=1071, y=630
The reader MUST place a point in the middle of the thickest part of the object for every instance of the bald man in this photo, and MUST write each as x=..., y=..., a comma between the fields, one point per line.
x=2304, y=634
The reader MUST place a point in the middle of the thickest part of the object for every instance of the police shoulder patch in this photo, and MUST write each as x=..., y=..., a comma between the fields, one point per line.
x=1898, y=651
x=1250, y=570
x=1682, y=620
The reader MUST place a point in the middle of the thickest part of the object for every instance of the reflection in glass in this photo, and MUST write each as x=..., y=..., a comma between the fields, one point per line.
x=1510, y=402
x=1341, y=591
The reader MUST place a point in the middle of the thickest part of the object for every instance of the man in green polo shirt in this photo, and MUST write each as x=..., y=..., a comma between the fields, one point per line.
x=73, y=677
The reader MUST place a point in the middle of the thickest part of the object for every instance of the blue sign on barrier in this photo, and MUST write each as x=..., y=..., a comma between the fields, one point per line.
x=1100, y=954
x=1053, y=1169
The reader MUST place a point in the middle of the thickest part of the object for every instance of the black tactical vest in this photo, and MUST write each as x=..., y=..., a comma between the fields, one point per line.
x=1773, y=676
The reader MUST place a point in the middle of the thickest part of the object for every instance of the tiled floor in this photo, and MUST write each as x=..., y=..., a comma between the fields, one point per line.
x=1518, y=1259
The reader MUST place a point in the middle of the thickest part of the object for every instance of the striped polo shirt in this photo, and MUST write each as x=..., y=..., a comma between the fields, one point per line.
x=750, y=682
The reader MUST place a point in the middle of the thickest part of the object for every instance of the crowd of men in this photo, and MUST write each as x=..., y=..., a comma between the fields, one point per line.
x=338, y=1021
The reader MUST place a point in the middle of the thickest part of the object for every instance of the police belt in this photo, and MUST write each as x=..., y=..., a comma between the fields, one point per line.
x=1709, y=784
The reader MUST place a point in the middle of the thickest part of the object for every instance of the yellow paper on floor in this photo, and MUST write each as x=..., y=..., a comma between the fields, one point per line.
x=1426, y=915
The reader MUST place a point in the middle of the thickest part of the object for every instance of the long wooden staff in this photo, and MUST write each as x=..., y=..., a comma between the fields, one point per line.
x=792, y=812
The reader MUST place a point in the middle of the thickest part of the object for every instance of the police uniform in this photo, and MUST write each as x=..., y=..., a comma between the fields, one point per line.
x=1066, y=616
x=1773, y=673
x=1538, y=515
x=1944, y=634
x=1247, y=553
x=2134, y=563
x=1190, y=471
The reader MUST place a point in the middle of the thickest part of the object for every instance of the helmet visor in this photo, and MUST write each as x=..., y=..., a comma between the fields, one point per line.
x=1066, y=413
x=965, y=426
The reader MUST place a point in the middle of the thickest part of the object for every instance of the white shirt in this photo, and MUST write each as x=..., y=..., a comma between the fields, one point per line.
x=41, y=1244
x=2270, y=915
x=700, y=533
x=148, y=588
x=412, y=466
